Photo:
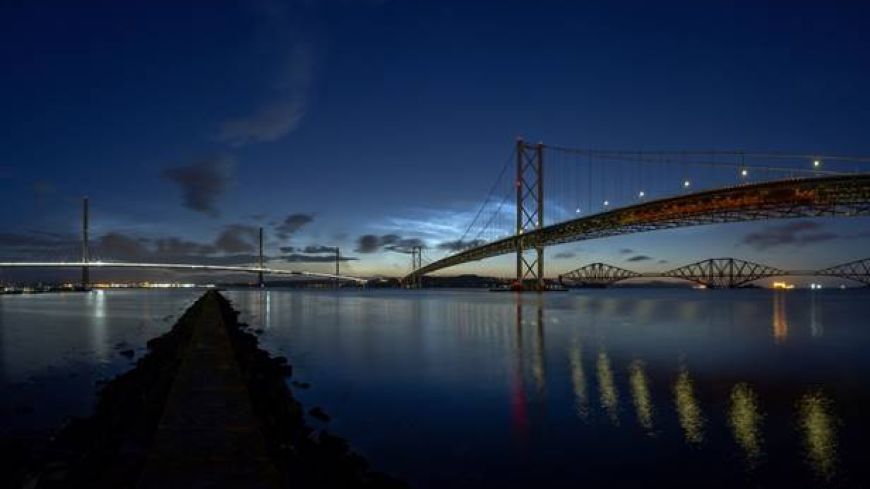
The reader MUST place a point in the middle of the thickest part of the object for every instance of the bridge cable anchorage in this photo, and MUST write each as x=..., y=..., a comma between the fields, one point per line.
x=638, y=191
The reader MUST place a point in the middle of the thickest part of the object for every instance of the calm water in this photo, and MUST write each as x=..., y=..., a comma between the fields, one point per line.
x=746, y=388
x=55, y=348
x=692, y=388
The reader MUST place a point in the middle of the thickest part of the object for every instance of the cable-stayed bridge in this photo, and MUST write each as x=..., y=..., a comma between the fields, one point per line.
x=86, y=263
x=179, y=266
x=716, y=273
x=589, y=194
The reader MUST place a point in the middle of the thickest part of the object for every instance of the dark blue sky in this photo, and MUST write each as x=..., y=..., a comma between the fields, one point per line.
x=325, y=121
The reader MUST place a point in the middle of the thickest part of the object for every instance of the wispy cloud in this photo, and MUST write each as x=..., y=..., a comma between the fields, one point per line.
x=636, y=258
x=291, y=224
x=234, y=244
x=459, y=245
x=238, y=238
x=371, y=243
x=281, y=114
x=305, y=258
x=202, y=182
x=796, y=233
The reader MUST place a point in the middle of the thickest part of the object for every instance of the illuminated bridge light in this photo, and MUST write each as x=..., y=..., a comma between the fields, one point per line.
x=578, y=210
x=641, y=194
x=606, y=203
x=817, y=163
x=744, y=172
x=686, y=183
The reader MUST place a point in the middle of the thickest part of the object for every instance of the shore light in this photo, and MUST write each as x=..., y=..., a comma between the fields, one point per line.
x=744, y=172
x=817, y=163
x=686, y=183
x=641, y=194
x=606, y=203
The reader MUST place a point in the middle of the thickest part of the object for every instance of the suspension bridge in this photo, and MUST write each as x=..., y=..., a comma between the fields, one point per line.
x=717, y=273
x=591, y=194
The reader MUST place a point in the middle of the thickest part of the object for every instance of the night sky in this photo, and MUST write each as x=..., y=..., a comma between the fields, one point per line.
x=336, y=123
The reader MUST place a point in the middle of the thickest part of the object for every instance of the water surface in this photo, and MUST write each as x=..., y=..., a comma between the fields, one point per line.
x=684, y=388
x=56, y=347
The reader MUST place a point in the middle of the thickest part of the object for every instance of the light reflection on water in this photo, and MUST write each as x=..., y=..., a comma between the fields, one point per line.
x=55, y=347
x=578, y=381
x=607, y=387
x=780, y=322
x=818, y=423
x=452, y=388
x=535, y=386
x=641, y=396
x=688, y=409
x=745, y=418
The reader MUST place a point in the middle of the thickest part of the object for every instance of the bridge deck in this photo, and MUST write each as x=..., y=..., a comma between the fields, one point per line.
x=208, y=436
x=829, y=196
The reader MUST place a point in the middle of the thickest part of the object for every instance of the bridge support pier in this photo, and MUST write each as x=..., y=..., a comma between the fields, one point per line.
x=530, y=216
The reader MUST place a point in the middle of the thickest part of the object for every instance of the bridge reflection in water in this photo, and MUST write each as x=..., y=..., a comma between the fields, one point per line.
x=744, y=416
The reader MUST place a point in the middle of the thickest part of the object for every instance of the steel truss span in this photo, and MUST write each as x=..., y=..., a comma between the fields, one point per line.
x=858, y=270
x=178, y=266
x=598, y=274
x=829, y=196
x=716, y=273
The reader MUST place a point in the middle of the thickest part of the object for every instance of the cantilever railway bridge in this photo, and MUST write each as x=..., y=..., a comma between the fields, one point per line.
x=714, y=273
x=621, y=192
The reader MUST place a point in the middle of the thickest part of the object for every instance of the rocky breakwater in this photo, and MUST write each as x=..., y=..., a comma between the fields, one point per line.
x=205, y=407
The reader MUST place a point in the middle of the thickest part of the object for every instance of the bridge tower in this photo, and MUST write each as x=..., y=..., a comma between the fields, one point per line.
x=416, y=264
x=530, y=215
x=260, y=282
x=337, y=266
x=86, y=278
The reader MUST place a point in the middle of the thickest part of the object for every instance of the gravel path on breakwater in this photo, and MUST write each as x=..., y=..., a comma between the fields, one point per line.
x=111, y=448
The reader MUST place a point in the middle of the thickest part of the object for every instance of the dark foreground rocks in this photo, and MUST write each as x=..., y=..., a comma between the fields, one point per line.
x=111, y=448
